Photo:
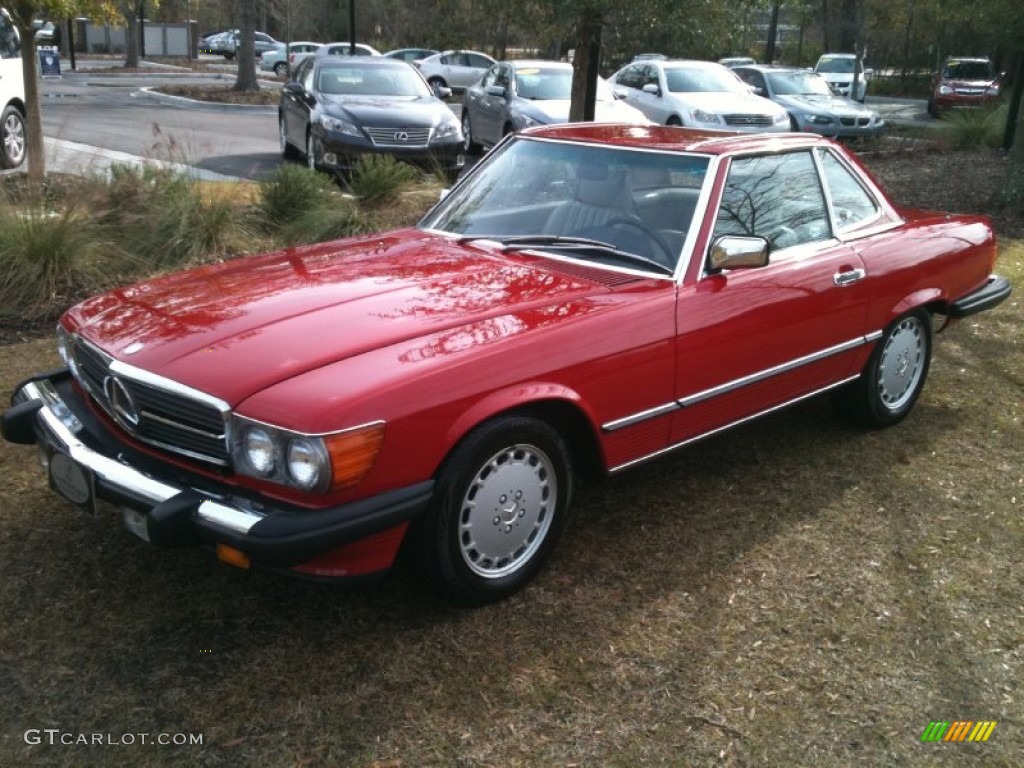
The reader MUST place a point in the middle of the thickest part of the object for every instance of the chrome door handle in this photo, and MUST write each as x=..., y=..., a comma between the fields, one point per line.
x=848, y=277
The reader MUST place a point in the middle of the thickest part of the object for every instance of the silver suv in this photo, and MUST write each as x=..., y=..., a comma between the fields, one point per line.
x=12, y=95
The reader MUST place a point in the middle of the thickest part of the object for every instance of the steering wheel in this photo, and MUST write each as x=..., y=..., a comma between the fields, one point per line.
x=657, y=249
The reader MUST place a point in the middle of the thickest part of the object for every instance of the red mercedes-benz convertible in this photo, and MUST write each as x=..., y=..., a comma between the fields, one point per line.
x=586, y=298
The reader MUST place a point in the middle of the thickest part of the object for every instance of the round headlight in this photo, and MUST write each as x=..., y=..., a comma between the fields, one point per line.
x=259, y=449
x=305, y=463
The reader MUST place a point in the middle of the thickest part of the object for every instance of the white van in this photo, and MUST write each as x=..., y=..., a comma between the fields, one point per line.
x=12, y=96
x=841, y=69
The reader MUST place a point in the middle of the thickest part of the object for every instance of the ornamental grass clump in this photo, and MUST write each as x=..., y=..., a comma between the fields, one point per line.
x=377, y=179
x=974, y=128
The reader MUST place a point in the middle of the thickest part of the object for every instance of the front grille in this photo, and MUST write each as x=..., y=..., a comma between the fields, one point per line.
x=167, y=417
x=861, y=122
x=969, y=91
x=748, y=119
x=397, y=137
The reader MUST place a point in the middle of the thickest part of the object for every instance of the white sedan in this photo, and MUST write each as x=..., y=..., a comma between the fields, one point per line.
x=697, y=94
x=276, y=61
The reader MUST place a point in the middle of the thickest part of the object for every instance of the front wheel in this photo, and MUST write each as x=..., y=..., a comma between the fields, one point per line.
x=310, y=152
x=12, y=134
x=281, y=69
x=288, y=150
x=469, y=146
x=501, y=504
x=894, y=375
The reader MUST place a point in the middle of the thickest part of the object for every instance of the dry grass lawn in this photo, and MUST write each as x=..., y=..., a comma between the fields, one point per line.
x=790, y=593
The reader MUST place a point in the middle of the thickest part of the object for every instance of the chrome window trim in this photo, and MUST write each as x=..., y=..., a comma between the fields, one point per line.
x=730, y=386
x=866, y=224
x=730, y=425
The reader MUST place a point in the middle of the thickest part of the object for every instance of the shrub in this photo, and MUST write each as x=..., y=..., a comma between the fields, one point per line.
x=380, y=178
x=292, y=192
x=972, y=128
x=46, y=258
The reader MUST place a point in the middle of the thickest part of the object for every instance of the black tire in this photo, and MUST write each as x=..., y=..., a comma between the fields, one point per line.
x=894, y=375
x=469, y=146
x=794, y=126
x=288, y=150
x=674, y=120
x=437, y=82
x=12, y=137
x=281, y=69
x=500, y=507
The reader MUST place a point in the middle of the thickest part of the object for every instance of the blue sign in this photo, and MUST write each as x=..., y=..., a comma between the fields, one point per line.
x=49, y=62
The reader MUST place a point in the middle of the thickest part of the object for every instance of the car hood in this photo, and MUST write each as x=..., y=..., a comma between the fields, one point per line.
x=832, y=105
x=234, y=329
x=557, y=111
x=727, y=103
x=386, y=111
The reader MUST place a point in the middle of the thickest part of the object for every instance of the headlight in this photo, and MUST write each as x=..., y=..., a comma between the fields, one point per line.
x=993, y=90
x=945, y=90
x=444, y=130
x=306, y=462
x=65, y=344
x=337, y=125
x=818, y=119
x=782, y=117
x=258, y=447
x=525, y=121
x=700, y=116
x=328, y=462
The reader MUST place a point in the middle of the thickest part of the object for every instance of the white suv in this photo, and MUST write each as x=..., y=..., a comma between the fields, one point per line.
x=843, y=70
x=12, y=96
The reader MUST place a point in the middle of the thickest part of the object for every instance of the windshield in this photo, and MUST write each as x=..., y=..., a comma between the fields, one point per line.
x=351, y=79
x=839, y=65
x=968, y=70
x=589, y=202
x=798, y=84
x=538, y=84
x=701, y=79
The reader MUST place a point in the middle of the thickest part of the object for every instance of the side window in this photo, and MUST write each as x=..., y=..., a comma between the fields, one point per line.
x=650, y=76
x=503, y=78
x=304, y=74
x=9, y=40
x=852, y=206
x=490, y=77
x=751, y=77
x=777, y=197
x=630, y=77
x=447, y=60
x=479, y=62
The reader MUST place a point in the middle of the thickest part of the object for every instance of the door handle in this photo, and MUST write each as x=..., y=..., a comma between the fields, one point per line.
x=849, y=276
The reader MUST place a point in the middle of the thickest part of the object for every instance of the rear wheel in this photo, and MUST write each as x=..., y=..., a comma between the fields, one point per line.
x=437, y=82
x=674, y=120
x=12, y=134
x=281, y=68
x=500, y=507
x=894, y=375
x=469, y=146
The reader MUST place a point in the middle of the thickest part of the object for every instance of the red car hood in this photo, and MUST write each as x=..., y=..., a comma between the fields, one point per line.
x=236, y=328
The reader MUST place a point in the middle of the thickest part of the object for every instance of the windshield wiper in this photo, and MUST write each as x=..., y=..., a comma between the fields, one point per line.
x=522, y=242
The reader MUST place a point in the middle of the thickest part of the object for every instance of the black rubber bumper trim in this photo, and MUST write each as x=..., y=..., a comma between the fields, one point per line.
x=995, y=291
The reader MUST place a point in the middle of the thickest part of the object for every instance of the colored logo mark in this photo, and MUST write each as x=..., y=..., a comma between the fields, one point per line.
x=959, y=730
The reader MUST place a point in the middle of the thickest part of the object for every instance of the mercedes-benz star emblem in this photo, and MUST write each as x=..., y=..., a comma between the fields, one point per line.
x=121, y=402
x=401, y=136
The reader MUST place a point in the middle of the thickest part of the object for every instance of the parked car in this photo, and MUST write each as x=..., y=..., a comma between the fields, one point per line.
x=337, y=109
x=812, y=105
x=455, y=69
x=333, y=49
x=521, y=94
x=964, y=82
x=277, y=61
x=12, y=95
x=737, y=61
x=846, y=73
x=410, y=54
x=226, y=44
x=586, y=298
x=696, y=94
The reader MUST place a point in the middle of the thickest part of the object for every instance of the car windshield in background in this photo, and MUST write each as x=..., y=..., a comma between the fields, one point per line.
x=578, y=200
x=798, y=84
x=968, y=70
x=840, y=65
x=700, y=80
x=539, y=84
x=367, y=81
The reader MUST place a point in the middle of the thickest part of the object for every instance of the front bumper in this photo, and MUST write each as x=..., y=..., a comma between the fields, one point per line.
x=341, y=152
x=179, y=508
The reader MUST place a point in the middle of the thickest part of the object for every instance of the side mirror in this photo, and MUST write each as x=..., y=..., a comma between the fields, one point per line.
x=756, y=90
x=443, y=92
x=735, y=252
x=620, y=93
x=652, y=88
x=495, y=90
x=293, y=88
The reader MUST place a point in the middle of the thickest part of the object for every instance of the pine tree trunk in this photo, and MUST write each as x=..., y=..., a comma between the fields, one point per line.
x=245, y=55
